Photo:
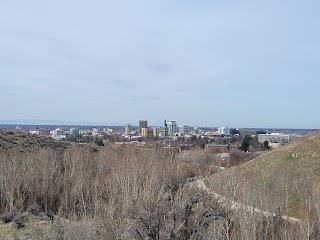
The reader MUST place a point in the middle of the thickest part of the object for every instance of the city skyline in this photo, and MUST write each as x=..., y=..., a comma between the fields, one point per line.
x=205, y=63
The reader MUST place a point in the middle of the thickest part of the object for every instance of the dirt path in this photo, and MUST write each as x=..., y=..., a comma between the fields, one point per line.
x=236, y=206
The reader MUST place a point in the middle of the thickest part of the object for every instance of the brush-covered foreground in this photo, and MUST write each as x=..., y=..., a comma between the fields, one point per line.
x=132, y=193
x=127, y=193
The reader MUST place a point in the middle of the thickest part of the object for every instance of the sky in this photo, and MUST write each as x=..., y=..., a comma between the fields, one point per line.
x=202, y=63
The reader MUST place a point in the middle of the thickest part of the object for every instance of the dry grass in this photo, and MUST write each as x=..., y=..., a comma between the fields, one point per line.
x=285, y=180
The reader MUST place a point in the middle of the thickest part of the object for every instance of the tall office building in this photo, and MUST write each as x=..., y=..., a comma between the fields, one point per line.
x=172, y=127
x=147, y=132
x=156, y=132
x=127, y=129
x=164, y=130
x=142, y=124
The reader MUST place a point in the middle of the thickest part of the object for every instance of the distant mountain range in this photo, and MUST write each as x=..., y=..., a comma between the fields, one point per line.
x=79, y=123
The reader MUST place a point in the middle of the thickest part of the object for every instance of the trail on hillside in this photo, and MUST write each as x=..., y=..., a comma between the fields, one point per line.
x=231, y=205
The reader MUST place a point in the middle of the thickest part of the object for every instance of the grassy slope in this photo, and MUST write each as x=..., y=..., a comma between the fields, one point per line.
x=285, y=180
x=26, y=141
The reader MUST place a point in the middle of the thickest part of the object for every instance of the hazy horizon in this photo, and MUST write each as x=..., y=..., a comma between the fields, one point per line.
x=204, y=63
x=39, y=122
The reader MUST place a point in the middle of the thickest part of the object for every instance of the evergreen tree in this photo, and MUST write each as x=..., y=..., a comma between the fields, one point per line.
x=245, y=144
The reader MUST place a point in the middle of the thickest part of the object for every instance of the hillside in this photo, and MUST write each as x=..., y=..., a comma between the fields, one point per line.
x=129, y=193
x=284, y=181
x=27, y=142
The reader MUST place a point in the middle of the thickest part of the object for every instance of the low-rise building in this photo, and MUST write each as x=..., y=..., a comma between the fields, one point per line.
x=273, y=138
x=224, y=131
x=74, y=131
x=36, y=132
x=58, y=134
x=109, y=130
x=184, y=129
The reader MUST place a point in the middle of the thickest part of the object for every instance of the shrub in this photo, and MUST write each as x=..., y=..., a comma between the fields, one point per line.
x=18, y=221
x=8, y=217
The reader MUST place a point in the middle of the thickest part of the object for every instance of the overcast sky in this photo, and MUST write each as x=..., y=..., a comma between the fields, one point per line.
x=201, y=63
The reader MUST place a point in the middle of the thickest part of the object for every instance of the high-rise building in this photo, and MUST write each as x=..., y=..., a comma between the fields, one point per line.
x=156, y=132
x=164, y=131
x=127, y=129
x=142, y=124
x=147, y=132
x=172, y=127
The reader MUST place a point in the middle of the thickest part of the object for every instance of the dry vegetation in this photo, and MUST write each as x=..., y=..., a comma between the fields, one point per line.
x=131, y=193
x=125, y=193
x=23, y=141
x=284, y=181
